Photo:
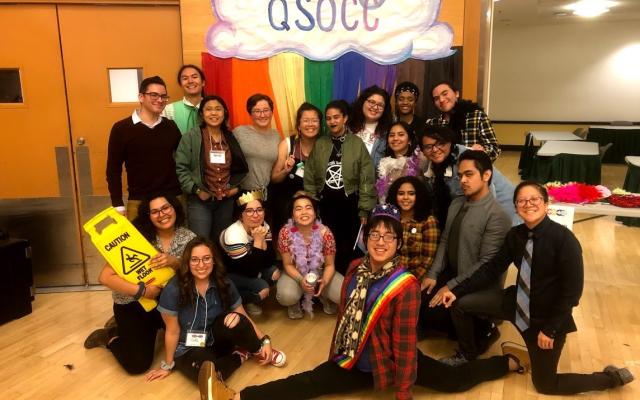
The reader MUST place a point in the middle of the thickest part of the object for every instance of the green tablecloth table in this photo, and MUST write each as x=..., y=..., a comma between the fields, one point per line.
x=566, y=168
x=631, y=184
x=626, y=142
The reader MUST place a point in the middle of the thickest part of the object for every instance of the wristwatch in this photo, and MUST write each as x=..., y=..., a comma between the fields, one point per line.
x=167, y=367
x=265, y=340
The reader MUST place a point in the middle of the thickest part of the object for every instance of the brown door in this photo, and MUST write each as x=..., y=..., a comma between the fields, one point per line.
x=94, y=40
x=37, y=198
x=53, y=158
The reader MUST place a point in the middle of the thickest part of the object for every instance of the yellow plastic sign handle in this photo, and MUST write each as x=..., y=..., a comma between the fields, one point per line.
x=126, y=250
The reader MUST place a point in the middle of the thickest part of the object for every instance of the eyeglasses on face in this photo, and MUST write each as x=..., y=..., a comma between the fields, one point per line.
x=165, y=209
x=431, y=147
x=534, y=201
x=253, y=211
x=387, y=237
x=206, y=260
x=265, y=111
x=155, y=96
x=375, y=105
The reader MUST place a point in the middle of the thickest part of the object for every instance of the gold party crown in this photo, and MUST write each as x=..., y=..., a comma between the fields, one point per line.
x=249, y=197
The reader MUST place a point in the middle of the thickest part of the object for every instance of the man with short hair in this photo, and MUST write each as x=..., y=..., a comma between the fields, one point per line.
x=475, y=229
x=184, y=112
x=145, y=142
x=466, y=118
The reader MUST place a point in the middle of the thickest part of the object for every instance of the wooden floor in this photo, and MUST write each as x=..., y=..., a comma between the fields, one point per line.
x=35, y=349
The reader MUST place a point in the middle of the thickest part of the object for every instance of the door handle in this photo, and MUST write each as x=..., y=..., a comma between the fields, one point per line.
x=81, y=141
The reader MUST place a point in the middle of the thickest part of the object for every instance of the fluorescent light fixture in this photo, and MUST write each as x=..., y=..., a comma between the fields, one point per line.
x=590, y=8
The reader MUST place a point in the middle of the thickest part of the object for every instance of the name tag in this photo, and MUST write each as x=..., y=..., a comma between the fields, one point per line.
x=217, y=157
x=300, y=169
x=196, y=338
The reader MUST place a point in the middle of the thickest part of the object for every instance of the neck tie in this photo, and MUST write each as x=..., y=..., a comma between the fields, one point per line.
x=524, y=285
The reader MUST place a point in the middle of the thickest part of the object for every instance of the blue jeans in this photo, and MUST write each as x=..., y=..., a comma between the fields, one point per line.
x=250, y=288
x=209, y=218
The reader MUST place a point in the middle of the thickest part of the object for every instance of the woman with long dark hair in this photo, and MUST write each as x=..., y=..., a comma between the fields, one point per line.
x=401, y=158
x=131, y=336
x=210, y=166
x=370, y=120
x=205, y=320
x=420, y=231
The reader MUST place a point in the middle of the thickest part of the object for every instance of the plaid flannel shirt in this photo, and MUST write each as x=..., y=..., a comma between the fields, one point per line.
x=419, y=245
x=394, y=355
x=478, y=129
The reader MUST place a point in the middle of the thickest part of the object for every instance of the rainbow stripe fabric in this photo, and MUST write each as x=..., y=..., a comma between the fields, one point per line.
x=396, y=283
x=290, y=79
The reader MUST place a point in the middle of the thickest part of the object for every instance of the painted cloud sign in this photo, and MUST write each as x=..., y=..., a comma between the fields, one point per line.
x=385, y=31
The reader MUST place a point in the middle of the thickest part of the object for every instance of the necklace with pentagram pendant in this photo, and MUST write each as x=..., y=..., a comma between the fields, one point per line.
x=341, y=141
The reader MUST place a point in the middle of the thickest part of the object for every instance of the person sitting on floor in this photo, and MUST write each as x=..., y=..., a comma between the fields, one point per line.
x=205, y=320
x=249, y=255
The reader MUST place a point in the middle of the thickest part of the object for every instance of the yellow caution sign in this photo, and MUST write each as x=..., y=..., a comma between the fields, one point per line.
x=126, y=250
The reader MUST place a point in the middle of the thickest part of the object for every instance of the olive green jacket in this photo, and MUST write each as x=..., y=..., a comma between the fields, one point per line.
x=357, y=170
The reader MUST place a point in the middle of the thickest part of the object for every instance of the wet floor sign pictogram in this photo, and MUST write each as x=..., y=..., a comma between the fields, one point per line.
x=126, y=250
x=131, y=259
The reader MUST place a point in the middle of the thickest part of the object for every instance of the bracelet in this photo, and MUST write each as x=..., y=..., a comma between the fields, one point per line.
x=140, y=292
x=167, y=367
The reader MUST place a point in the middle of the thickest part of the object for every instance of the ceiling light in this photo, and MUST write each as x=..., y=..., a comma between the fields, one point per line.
x=590, y=8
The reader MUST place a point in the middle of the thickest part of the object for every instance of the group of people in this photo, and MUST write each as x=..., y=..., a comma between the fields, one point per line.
x=399, y=225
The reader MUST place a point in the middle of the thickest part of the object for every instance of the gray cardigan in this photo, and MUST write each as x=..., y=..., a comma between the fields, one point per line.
x=482, y=232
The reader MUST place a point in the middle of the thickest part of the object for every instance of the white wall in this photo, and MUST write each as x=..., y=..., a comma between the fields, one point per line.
x=586, y=71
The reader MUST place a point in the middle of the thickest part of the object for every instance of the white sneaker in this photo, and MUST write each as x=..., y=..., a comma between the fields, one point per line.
x=295, y=312
x=253, y=309
x=328, y=306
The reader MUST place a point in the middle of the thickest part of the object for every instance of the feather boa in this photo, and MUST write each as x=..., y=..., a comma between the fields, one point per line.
x=308, y=258
x=391, y=169
x=577, y=193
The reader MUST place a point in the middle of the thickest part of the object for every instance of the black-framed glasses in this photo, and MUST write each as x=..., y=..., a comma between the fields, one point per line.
x=387, y=237
x=157, y=96
x=253, y=211
x=534, y=201
x=206, y=260
x=431, y=147
x=165, y=209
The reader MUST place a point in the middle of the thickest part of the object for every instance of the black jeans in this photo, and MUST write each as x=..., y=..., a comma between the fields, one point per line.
x=340, y=214
x=137, y=329
x=544, y=363
x=225, y=341
x=329, y=378
x=544, y=370
x=465, y=316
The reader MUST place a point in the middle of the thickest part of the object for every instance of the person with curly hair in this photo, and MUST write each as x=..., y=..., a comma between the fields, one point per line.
x=401, y=158
x=420, y=233
x=131, y=335
x=370, y=120
x=205, y=321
